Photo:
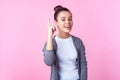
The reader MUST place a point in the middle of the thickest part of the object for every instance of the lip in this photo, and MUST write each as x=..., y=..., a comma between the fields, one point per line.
x=68, y=27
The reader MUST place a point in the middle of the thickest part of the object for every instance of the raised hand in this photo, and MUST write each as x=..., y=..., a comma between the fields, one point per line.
x=51, y=29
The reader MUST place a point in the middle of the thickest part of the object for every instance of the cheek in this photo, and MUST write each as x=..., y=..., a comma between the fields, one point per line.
x=71, y=22
x=60, y=24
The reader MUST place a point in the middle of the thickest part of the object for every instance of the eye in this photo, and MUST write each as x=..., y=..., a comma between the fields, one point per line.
x=70, y=19
x=63, y=19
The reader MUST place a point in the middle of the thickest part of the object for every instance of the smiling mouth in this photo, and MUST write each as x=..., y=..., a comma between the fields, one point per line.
x=68, y=28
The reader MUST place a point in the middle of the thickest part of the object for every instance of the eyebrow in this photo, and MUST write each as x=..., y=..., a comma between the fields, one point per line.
x=65, y=17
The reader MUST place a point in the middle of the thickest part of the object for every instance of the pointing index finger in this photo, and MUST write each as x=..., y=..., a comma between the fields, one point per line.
x=48, y=22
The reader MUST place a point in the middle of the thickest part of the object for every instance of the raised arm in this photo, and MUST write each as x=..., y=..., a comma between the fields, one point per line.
x=49, y=55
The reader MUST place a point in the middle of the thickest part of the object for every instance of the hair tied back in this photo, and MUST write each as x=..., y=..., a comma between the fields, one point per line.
x=57, y=8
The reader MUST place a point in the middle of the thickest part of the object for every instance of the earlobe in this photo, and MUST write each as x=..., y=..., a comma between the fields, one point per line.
x=55, y=22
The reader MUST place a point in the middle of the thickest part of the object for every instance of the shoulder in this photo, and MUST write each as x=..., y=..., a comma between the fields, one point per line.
x=75, y=38
x=78, y=42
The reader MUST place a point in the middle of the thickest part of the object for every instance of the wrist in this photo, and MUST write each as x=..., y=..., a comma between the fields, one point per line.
x=49, y=37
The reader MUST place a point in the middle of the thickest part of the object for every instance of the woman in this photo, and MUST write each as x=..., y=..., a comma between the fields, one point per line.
x=65, y=53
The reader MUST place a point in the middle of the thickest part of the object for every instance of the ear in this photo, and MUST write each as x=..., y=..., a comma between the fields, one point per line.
x=55, y=22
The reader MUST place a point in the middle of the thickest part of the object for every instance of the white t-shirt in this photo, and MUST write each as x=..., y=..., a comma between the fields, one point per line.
x=67, y=55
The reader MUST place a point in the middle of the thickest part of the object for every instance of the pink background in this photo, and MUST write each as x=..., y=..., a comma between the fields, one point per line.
x=23, y=32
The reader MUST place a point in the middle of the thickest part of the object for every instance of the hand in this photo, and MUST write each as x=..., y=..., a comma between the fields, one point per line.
x=51, y=29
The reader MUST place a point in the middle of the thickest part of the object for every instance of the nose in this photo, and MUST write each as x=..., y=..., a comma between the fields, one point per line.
x=67, y=21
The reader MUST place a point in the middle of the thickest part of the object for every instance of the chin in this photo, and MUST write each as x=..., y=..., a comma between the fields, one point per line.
x=68, y=31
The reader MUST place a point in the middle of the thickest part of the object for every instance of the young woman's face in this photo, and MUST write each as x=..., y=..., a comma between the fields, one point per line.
x=64, y=22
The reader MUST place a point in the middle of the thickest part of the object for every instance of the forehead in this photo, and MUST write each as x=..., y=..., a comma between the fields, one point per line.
x=65, y=14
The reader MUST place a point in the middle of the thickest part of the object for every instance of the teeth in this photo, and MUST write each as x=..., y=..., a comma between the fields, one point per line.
x=67, y=26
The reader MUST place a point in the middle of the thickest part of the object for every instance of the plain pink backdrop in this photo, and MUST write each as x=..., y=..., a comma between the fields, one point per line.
x=23, y=32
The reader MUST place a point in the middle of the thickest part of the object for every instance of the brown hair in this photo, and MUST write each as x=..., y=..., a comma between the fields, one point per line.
x=58, y=9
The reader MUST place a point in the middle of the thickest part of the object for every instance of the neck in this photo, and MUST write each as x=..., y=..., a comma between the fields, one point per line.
x=63, y=35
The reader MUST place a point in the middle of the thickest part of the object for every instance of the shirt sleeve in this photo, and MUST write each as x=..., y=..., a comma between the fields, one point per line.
x=83, y=63
x=49, y=56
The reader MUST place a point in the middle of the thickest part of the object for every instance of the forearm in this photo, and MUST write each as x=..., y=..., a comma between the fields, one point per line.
x=49, y=45
x=49, y=55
